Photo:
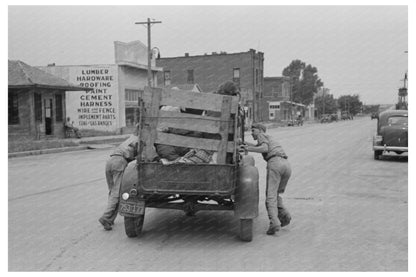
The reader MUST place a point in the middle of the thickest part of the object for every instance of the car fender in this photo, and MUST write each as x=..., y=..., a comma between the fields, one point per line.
x=247, y=193
x=129, y=179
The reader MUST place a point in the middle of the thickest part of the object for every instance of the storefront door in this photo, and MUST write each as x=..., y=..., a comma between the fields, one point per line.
x=48, y=116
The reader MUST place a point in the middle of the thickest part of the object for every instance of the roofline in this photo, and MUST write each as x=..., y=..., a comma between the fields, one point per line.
x=121, y=63
x=211, y=55
x=73, y=65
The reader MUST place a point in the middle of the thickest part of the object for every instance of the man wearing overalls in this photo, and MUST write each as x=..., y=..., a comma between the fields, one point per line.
x=114, y=169
x=278, y=174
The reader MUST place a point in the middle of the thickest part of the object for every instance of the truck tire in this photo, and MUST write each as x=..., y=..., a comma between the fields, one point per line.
x=246, y=194
x=377, y=154
x=246, y=229
x=133, y=225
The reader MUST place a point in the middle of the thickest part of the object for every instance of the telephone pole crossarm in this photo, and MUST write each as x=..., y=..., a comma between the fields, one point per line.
x=148, y=22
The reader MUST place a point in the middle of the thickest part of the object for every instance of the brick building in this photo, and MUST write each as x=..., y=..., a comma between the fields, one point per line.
x=211, y=70
x=36, y=102
x=276, y=104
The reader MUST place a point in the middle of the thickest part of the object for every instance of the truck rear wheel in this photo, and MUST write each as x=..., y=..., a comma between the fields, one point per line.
x=246, y=229
x=133, y=225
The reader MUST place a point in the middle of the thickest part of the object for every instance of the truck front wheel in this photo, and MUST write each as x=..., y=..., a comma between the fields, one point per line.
x=133, y=225
x=246, y=229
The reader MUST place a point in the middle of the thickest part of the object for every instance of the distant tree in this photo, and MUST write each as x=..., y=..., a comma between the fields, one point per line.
x=326, y=104
x=294, y=71
x=304, y=81
x=309, y=84
x=350, y=104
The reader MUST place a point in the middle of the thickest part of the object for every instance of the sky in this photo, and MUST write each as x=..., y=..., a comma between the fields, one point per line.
x=356, y=49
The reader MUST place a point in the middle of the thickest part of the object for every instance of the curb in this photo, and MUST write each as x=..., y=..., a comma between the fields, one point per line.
x=58, y=150
x=88, y=143
x=47, y=151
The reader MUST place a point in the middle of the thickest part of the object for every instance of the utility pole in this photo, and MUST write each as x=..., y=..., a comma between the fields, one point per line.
x=323, y=98
x=290, y=100
x=149, y=50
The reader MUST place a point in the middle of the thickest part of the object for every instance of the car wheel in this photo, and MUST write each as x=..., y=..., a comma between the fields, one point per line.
x=133, y=225
x=377, y=154
x=246, y=229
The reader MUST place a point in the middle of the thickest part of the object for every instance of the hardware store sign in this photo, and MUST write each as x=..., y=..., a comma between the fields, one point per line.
x=96, y=108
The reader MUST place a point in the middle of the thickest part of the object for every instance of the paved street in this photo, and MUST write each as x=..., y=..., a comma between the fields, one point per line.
x=349, y=214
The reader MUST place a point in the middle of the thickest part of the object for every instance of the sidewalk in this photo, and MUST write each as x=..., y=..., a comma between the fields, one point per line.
x=101, y=142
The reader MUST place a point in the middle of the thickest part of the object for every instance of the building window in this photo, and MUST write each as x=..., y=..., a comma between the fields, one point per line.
x=257, y=77
x=132, y=116
x=190, y=76
x=236, y=75
x=166, y=78
x=13, y=108
x=38, y=107
x=59, y=109
x=132, y=95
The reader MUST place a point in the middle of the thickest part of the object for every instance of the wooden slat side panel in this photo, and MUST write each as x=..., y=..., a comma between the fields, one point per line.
x=190, y=142
x=189, y=99
x=191, y=122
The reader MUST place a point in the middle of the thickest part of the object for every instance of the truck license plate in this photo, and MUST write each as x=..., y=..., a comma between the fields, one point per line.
x=136, y=208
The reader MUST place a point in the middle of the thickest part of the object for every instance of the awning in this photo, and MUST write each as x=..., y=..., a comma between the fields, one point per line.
x=139, y=66
x=294, y=103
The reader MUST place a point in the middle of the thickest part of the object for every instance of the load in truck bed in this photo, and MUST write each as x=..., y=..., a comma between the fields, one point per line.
x=216, y=131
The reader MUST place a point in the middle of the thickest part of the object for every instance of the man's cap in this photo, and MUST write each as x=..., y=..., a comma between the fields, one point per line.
x=259, y=126
x=228, y=88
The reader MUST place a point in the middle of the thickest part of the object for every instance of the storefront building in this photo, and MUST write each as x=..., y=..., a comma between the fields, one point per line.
x=112, y=104
x=276, y=104
x=36, y=102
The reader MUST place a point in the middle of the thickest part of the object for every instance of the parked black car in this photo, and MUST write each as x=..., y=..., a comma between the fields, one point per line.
x=392, y=133
x=325, y=118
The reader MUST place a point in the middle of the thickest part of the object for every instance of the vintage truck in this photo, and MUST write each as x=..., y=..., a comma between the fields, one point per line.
x=229, y=183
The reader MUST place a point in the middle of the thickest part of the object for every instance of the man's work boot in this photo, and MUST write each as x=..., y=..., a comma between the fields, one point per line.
x=284, y=216
x=105, y=223
x=273, y=229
